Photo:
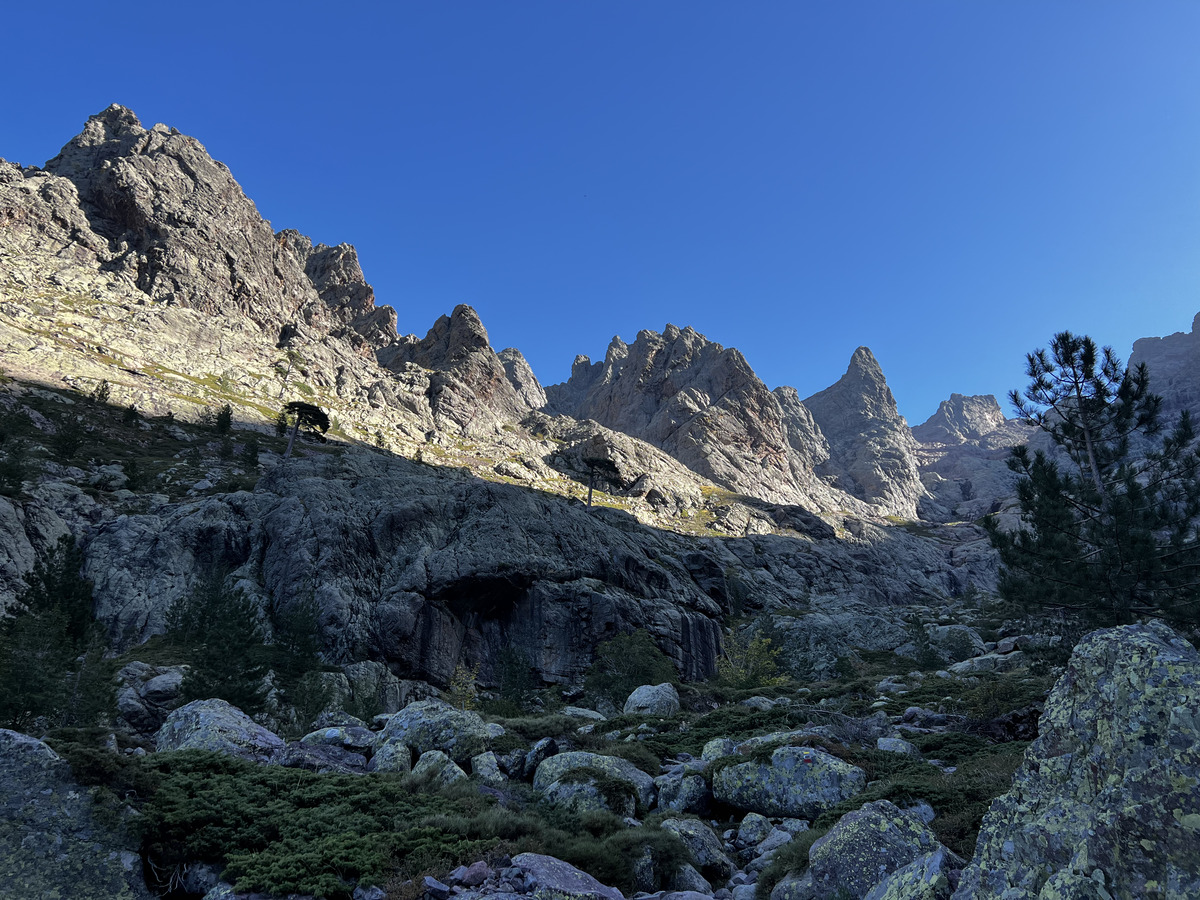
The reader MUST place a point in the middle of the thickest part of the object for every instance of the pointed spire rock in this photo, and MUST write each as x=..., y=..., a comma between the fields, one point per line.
x=872, y=451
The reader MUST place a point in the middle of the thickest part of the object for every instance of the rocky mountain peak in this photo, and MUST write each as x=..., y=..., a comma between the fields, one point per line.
x=961, y=419
x=872, y=451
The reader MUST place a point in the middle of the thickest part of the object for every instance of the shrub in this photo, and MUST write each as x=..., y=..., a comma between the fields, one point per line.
x=748, y=662
x=626, y=662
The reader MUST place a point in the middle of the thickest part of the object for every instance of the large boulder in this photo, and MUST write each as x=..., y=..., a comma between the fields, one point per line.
x=793, y=781
x=581, y=767
x=147, y=694
x=433, y=725
x=653, y=700
x=218, y=726
x=553, y=879
x=1108, y=797
x=866, y=846
x=704, y=846
x=52, y=841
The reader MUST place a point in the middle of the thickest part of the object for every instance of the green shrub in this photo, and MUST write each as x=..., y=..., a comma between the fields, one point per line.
x=749, y=662
x=627, y=662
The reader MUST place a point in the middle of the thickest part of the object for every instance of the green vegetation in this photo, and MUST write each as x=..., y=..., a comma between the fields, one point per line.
x=626, y=662
x=1111, y=535
x=748, y=661
x=52, y=661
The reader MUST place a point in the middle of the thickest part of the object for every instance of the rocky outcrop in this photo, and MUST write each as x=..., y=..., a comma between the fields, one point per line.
x=580, y=768
x=961, y=420
x=963, y=457
x=872, y=454
x=521, y=377
x=702, y=404
x=470, y=390
x=1107, y=801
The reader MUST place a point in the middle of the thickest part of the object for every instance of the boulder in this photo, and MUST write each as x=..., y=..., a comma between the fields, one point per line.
x=707, y=852
x=653, y=700
x=53, y=841
x=433, y=725
x=354, y=738
x=864, y=847
x=486, y=768
x=322, y=758
x=554, y=879
x=438, y=766
x=218, y=726
x=392, y=756
x=930, y=876
x=559, y=768
x=147, y=694
x=753, y=829
x=1108, y=796
x=683, y=793
x=794, y=781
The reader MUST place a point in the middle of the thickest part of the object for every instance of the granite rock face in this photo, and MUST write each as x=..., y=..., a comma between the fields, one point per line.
x=52, y=842
x=702, y=404
x=872, y=453
x=963, y=457
x=1108, y=796
x=469, y=380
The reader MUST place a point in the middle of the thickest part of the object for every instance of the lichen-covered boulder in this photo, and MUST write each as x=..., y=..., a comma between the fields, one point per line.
x=653, y=700
x=559, y=768
x=705, y=847
x=930, y=876
x=392, y=756
x=793, y=781
x=1109, y=793
x=683, y=793
x=52, y=843
x=433, y=725
x=218, y=726
x=322, y=758
x=553, y=879
x=866, y=846
x=486, y=768
x=437, y=765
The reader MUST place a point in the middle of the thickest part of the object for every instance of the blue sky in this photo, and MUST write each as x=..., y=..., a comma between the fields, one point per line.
x=948, y=183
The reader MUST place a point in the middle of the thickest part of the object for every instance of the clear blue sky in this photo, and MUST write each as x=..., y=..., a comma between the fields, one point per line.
x=948, y=183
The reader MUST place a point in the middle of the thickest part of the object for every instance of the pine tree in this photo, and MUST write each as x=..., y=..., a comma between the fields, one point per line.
x=218, y=629
x=52, y=664
x=1108, y=525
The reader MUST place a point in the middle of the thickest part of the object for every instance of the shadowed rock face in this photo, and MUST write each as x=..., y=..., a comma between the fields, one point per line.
x=872, y=452
x=472, y=387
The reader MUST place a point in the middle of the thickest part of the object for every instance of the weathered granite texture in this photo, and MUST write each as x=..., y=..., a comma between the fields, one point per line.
x=53, y=843
x=1108, y=797
x=433, y=725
